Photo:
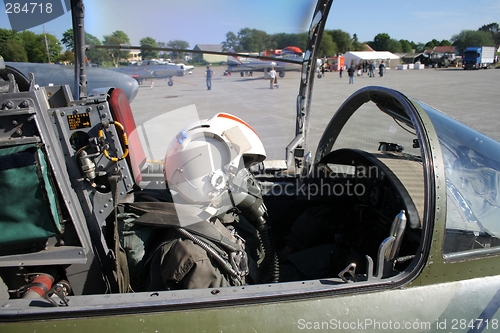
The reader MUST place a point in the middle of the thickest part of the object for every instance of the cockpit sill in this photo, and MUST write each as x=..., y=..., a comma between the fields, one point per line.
x=369, y=185
x=161, y=301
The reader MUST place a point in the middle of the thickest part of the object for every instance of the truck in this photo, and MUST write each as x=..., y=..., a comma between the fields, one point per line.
x=477, y=57
x=333, y=64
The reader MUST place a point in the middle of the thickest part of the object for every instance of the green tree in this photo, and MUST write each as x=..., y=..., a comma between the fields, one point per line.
x=36, y=46
x=436, y=42
x=34, y=49
x=253, y=40
x=356, y=45
x=468, y=38
x=68, y=40
x=178, y=44
x=53, y=45
x=384, y=42
x=342, y=39
x=406, y=46
x=116, y=38
x=7, y=34
x=69, y=43
x=283, y=40
x=430, y=45
x=97, y=56
x=381, y=42
x=419, y=48
x=232, y=42
x=148, y=42
x=29, y=46
x=67, y=57
x=13, y=50
x=494, y=30
x=327, y=46
x=162, y=54
x=94, y=55
x=445, y=42
x=394, y=46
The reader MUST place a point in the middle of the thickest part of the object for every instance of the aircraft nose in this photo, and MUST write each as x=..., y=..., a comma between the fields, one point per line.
x=134, y=89
x=126, y=83
x=105, y=78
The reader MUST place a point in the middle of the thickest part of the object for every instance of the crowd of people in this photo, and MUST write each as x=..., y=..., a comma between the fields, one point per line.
x=362, y=68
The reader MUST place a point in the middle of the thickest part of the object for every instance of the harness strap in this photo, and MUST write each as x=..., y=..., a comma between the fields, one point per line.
x=211, y=235
x=121, y=265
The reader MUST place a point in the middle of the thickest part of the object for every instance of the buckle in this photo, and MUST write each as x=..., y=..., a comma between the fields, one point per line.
x=239, y=262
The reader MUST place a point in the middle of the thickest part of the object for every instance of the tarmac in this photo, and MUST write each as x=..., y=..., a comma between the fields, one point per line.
x=471, y=97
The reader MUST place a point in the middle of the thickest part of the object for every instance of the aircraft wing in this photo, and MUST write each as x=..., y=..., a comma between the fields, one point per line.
x=186, y=68
x=50, y=74
x=140, y=73
x=237, y=64
x=255, y=65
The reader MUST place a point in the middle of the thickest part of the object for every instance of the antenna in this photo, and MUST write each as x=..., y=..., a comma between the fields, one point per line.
x=77, y=15
x=46, y=43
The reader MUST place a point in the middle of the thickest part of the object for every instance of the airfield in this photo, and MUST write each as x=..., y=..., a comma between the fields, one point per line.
x=471, y=97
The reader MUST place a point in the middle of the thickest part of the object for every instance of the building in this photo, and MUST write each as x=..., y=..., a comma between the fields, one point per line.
x=390, y=59
x=209, y=58
x=412, y=58
x=135, y=56
x=439, y=52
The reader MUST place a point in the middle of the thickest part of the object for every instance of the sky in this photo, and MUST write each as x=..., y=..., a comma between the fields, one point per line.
x=208, y=21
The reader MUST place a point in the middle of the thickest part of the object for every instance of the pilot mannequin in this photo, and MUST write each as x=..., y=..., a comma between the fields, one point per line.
x=217, y=238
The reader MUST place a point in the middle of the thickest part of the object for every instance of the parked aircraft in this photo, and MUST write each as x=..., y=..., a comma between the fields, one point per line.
x=150, y=69
x=389, y=224
x=237, y=64
x=188, y=68
x=50, y=74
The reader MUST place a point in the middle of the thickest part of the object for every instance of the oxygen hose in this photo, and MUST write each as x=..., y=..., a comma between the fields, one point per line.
x=226, y=266
x=256, y=217
x=248, y=200
x=271, y=257
x=38, y=286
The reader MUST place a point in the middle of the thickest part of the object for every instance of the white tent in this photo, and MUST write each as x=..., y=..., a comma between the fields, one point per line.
x=376, y=57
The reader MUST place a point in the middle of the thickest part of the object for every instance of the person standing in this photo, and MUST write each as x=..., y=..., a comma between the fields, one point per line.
x=208, y=74
x=272, y=77
x=381, y=69
x=371, y=69
x=341, y=70
x=350, y=72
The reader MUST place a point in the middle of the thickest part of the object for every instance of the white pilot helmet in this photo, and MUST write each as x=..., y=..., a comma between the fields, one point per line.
x=202, y=159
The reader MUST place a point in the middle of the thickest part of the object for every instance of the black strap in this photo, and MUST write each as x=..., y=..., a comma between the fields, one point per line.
x=121, y=265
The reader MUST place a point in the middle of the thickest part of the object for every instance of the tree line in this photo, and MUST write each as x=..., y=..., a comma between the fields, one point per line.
x=336, y=42
x=26, y=46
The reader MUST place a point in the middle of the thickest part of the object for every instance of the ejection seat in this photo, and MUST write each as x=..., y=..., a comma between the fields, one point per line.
x=50, y=216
